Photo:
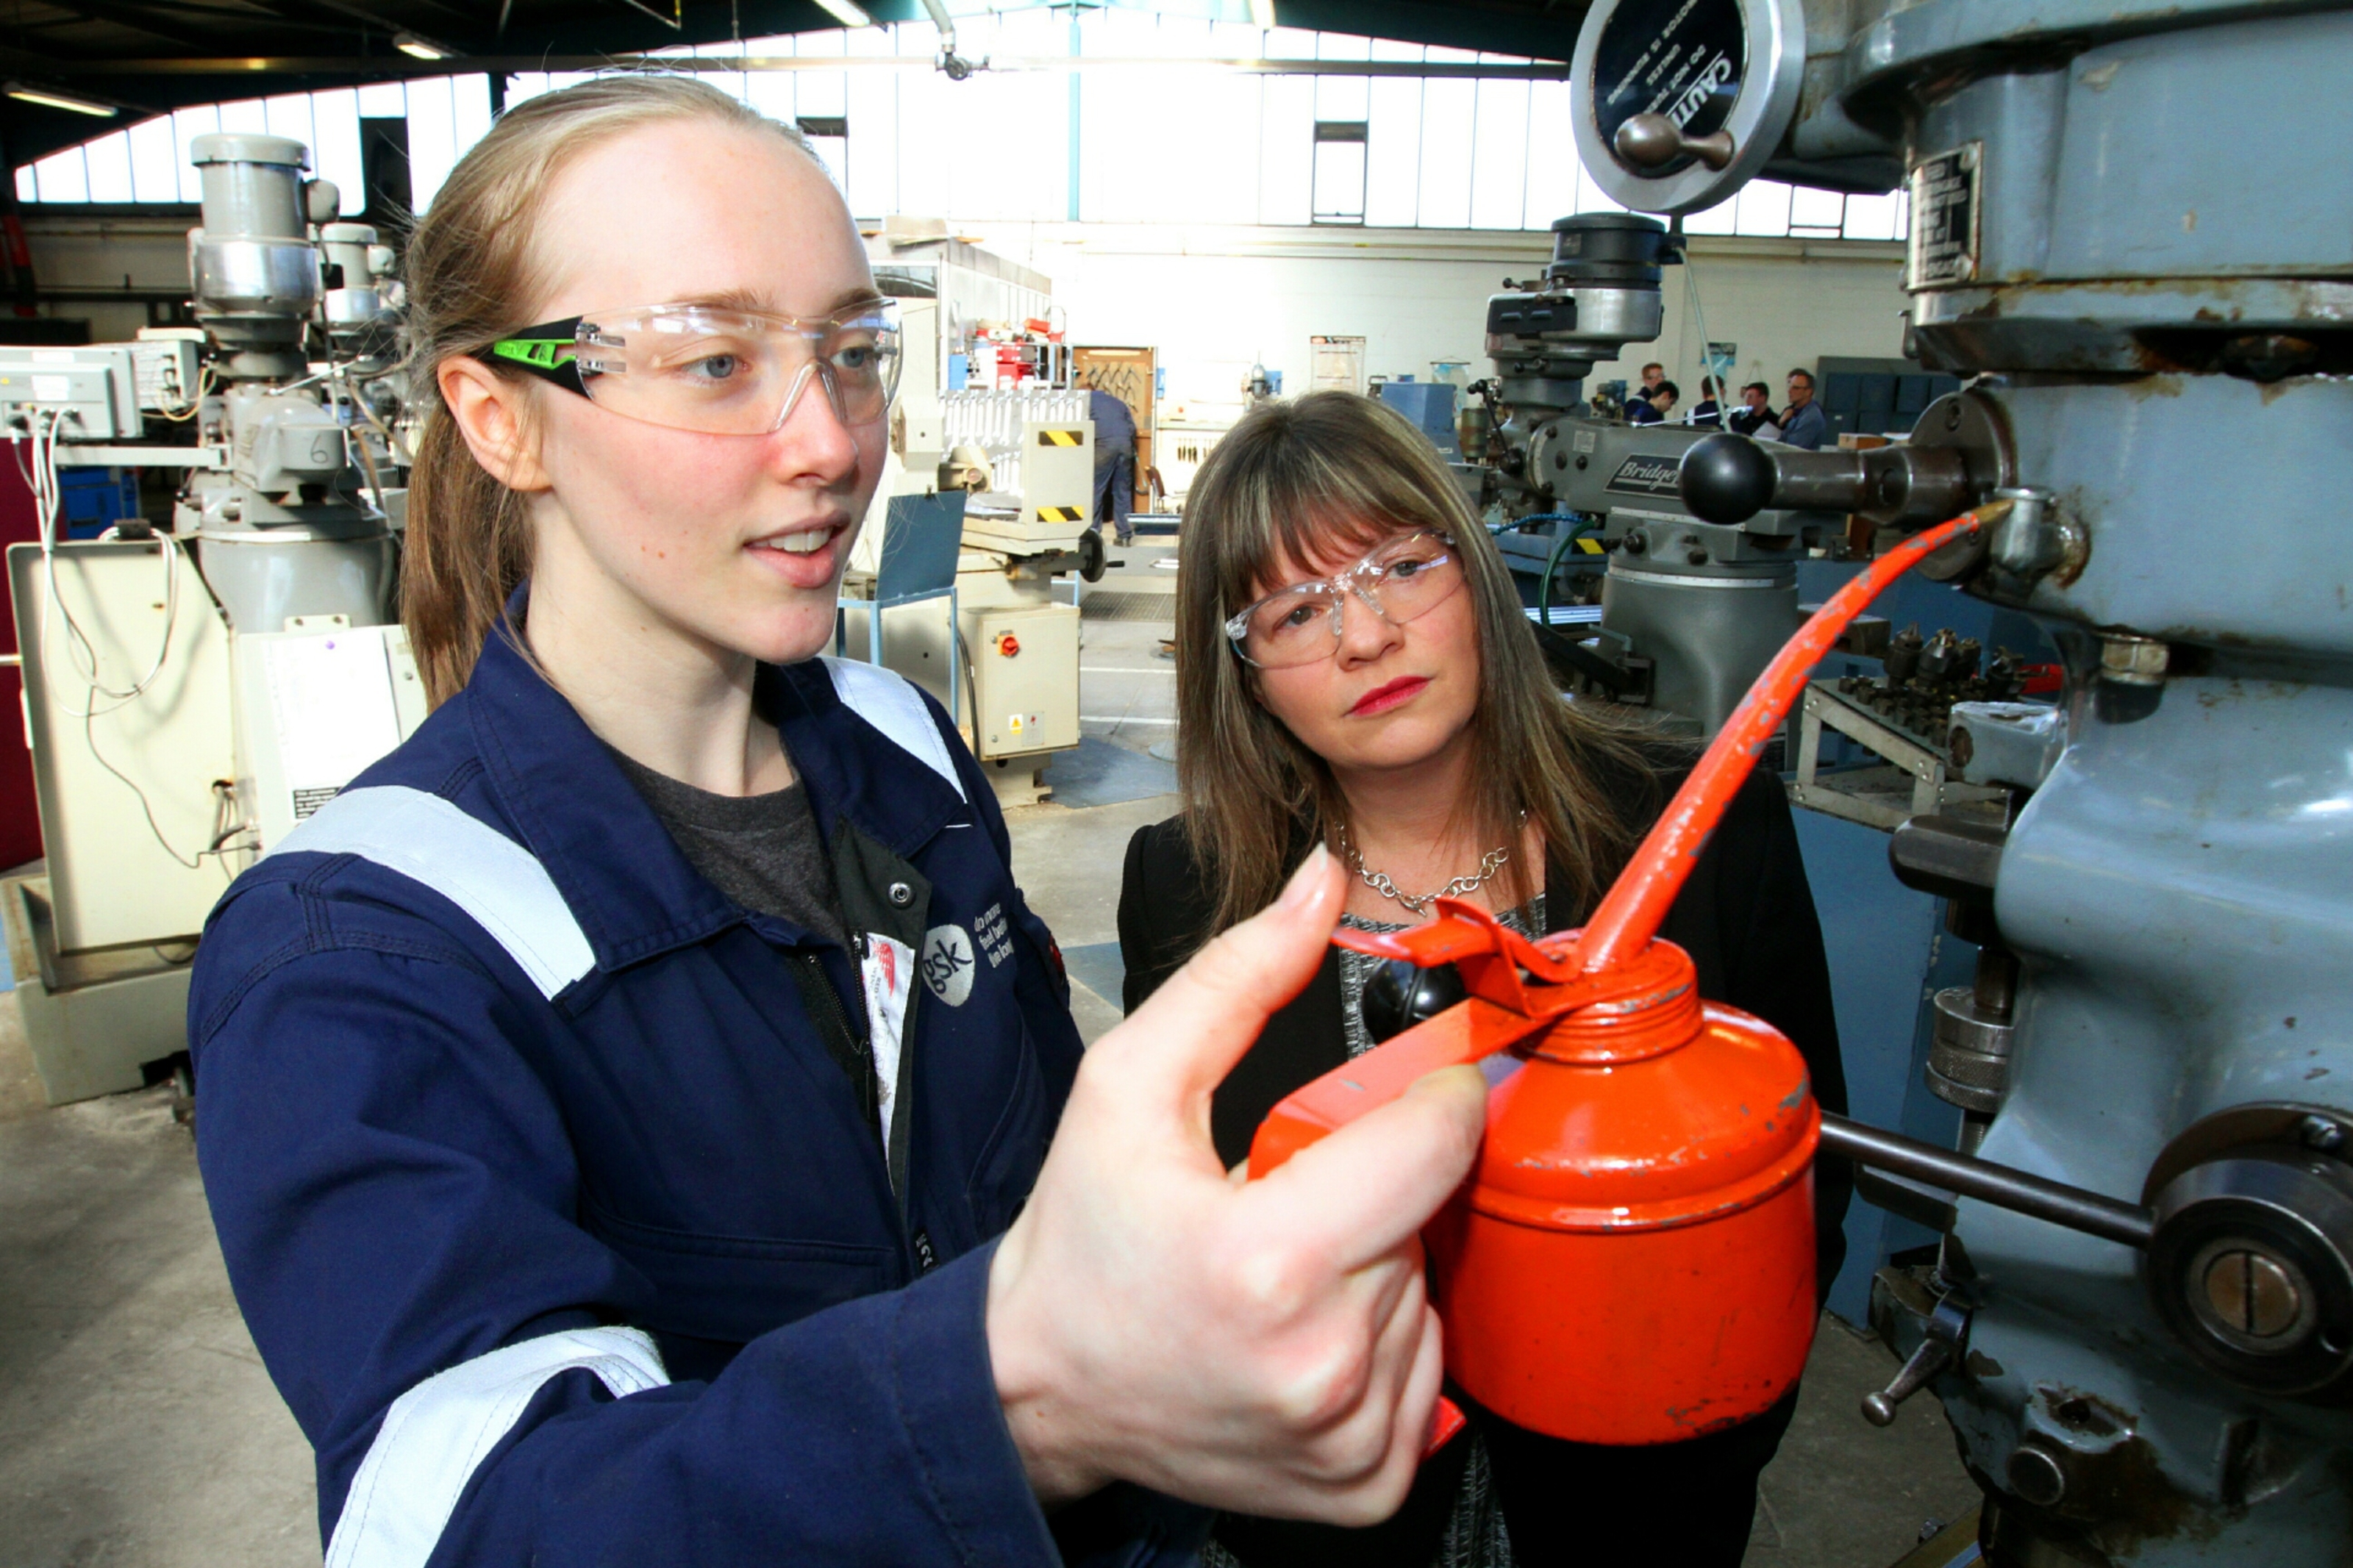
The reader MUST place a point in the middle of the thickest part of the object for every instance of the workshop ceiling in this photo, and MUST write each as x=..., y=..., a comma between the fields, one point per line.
x=149, y=57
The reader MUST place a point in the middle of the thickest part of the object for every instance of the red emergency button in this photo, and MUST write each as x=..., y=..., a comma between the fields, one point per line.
x=1009, y=645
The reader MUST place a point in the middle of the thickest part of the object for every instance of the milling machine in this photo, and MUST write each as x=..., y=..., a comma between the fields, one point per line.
x=2156, y=326
x=295, y=524
x=1689, y=610
x=210, y=683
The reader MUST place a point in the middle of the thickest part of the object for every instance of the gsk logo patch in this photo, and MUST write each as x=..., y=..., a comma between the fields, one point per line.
x=948, y=963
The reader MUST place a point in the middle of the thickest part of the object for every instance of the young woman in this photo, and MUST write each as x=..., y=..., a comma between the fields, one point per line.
x=614, y=1099
x=1355, y=673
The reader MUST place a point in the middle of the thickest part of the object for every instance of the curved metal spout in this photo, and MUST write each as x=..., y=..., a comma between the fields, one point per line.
x=1629, y=916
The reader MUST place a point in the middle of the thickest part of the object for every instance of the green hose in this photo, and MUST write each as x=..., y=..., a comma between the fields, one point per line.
x=1552, y=564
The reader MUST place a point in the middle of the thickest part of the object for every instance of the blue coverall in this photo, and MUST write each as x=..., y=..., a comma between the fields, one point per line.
x=1114, y=462
x=542, y=1177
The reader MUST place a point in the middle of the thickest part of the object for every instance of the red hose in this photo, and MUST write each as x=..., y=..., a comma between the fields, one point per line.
x=1629, y=916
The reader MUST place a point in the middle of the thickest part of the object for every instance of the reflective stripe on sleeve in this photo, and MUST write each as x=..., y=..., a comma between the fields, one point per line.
x=890, y=703
x=436, y=1435
x=466, y=860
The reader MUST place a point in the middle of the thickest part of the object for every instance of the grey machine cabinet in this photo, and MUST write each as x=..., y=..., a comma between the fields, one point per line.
x=2130, y=240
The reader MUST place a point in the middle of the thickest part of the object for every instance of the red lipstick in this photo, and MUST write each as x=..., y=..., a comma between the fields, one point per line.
x=1381, y=698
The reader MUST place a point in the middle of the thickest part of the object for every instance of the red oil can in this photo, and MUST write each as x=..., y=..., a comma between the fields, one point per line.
x=1632, y=1259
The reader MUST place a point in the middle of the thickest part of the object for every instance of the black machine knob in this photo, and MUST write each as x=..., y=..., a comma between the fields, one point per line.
x=1398, y=996
x=1727, y=478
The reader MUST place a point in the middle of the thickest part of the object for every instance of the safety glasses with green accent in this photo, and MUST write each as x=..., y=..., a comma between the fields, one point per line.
x=716, y=372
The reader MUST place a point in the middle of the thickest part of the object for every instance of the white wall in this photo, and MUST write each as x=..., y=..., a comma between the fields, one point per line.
x=84, y=251
x=1212, y=300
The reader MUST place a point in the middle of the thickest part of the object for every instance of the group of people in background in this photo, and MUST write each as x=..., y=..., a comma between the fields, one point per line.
x=1800, y=424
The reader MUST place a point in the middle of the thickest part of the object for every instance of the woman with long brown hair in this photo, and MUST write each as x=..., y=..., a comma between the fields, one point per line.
x=1355, y=674
x=618, y=1102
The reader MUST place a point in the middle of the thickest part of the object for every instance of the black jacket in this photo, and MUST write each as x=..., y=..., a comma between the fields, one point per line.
x=1746, y=917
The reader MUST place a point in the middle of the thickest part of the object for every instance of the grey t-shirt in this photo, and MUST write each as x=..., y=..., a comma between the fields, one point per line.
x=761, y=850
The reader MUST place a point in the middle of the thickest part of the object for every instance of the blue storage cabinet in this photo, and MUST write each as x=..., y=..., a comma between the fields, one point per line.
x=1429, y=406
x=92, y=501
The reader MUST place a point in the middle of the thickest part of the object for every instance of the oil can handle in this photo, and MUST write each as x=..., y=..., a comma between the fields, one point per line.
x=1465, y=1033
x=1462, y=1034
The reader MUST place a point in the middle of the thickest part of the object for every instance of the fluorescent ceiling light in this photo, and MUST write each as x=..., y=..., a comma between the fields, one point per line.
x=418, y=48
x=846, y=12
x=48, y=99
x=1263, y=15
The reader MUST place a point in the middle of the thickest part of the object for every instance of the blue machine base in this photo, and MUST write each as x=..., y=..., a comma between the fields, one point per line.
x=1889, y=953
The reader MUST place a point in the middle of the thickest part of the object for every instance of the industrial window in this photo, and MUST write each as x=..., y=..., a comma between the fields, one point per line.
x=828, y=137
x=1816, y=215
x=1279, y=149
x=1340, y=171
x=149, y=162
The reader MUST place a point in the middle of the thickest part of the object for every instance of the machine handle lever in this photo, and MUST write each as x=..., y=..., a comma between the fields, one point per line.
x=1998, y=1185
x=1649, y=142
x=1730, y=478
x=1947, y=1329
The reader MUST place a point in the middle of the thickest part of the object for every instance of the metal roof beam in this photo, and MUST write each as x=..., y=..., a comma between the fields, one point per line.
x=132, y=16
x=461, y=65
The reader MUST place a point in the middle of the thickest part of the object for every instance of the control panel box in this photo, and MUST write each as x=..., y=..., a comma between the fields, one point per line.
x=164, y=367
x=1025, y=677
x=95, y=389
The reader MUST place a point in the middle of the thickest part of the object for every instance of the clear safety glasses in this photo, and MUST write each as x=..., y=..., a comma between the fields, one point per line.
x=1405, y=578
x=720, y=372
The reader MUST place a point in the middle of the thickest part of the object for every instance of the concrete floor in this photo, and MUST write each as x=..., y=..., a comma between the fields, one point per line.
x=138, y=1429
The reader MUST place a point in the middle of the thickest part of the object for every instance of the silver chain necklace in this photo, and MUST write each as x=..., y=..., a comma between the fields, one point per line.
x=1490, y=863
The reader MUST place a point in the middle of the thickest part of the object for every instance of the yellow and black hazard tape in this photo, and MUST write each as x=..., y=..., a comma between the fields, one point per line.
x=1588, y=547
x=1061, y=438
x=1062, y=514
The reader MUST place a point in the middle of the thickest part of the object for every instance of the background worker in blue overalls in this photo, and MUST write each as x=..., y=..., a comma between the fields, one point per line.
x=617, y=1101
x=1114, y=462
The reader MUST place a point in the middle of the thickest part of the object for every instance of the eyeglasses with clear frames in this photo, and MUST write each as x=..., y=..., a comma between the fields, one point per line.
x=716, y=372
x=1400, y=580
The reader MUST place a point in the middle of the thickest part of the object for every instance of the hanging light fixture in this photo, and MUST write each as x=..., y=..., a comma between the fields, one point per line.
x=50, y=98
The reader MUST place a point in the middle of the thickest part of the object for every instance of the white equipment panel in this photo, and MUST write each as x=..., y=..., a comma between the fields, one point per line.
x=1056, y=501
x=315, y=706
x=112, y=880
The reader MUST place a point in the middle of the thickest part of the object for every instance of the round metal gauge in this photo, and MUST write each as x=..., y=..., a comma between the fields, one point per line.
x=1678, y=103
